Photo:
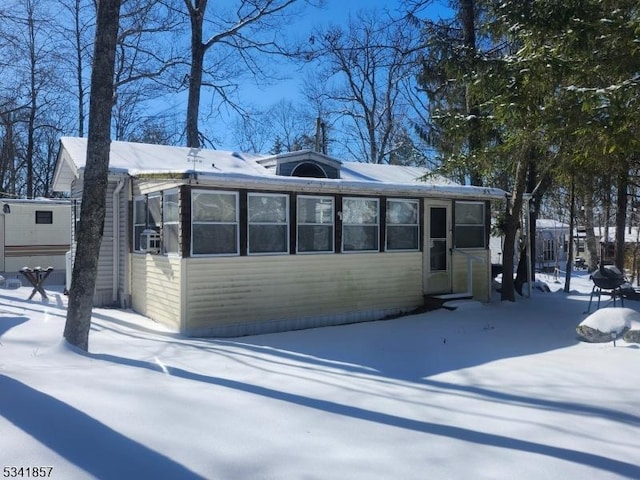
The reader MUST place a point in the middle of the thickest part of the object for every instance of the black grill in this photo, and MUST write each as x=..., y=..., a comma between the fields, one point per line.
x=607, y=278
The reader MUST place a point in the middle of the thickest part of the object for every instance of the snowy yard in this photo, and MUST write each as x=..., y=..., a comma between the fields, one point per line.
x=496, y=391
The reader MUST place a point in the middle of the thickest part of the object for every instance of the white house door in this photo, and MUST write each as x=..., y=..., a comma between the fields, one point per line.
x=437, y=248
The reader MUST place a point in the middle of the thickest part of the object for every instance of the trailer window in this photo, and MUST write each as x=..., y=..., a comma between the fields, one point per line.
x=44, y=216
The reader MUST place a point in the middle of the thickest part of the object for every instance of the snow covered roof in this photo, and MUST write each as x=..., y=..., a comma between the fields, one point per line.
x=138, y=158
x=548, y=223
x=245, y=170
x=630, y=235
x=40, y=201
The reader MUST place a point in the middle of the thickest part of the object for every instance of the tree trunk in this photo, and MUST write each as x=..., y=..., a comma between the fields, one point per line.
x=572, y=213
x=33, y=100
x=196, y=17
x=79, y=68
x=512, y=223
x=536, y=190
x=590, y=241
x=94, y=192
x=468, y=20
x=7, y=152
x=621, y=215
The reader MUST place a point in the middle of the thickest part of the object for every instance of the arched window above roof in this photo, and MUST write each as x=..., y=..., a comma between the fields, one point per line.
x=308, y=169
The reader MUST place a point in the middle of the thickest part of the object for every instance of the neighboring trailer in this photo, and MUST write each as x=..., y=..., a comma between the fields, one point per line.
x=34, y=233
x=226, y=244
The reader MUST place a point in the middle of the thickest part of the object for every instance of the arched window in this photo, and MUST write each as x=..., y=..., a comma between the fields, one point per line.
x=308, y=169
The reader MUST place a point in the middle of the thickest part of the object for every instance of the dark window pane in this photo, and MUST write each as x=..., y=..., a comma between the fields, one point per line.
x=170, y=241
x=470, y=237
x=154, y=212
x=438, y=255
x=402, y=238
x=214, y=239
x=137, y=231
x=44, y=216
x=315, y=238
x=138, y=212
x=360, y=238
x=438, y=222
x=267, y=238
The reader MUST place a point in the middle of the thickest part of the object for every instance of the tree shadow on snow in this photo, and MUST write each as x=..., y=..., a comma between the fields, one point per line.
x=452, y=432
x=87, y=443
x=7, y=323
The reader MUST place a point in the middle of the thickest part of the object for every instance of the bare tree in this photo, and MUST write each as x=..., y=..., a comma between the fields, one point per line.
x=76, y=33
x=30, y=97
x=283, y=124
x=242, y=38
x=365, y=68
x=146, y=60
x=94, y=192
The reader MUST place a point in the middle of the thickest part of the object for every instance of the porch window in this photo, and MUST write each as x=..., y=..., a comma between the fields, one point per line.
x=268, y=223
x=470, y=230
x=360, y=224
x=214, y=223
x=315, y=224
x=170, y=222
x=402, y=224
x=146, y=215
x=139, y=221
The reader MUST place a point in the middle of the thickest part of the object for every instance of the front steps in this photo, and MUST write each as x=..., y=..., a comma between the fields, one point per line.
x=449, y=301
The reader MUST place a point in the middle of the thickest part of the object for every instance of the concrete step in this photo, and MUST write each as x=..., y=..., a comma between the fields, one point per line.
x=441, y=299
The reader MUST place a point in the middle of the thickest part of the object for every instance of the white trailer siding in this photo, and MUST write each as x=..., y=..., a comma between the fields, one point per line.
x=106, y=282
x=35, y=233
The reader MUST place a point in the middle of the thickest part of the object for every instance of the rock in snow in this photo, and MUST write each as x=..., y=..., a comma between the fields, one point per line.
x=607, y=324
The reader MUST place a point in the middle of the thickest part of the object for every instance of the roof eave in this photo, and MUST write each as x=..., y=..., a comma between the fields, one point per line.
x=65, y=172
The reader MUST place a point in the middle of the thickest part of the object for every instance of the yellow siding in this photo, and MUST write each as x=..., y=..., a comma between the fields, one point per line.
x=296, y=291
x=481, y=273
x=156, y=288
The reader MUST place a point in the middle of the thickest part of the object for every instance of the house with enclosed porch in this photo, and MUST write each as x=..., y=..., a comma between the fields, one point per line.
x=215, y=243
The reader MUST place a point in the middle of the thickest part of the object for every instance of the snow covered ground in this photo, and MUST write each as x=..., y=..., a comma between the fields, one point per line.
x=495, y=391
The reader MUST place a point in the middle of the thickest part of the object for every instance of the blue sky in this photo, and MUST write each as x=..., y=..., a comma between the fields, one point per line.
x=335, y=12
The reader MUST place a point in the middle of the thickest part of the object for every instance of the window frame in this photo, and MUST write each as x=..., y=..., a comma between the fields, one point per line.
x=286, y=223
x=458, y=226
x=236, y=223
x=176, y=222
x=332, y=248
x=348, y=225
x=44, y=217
x=157, y=226
x=391, y=225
